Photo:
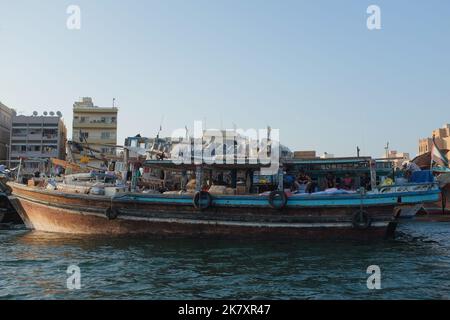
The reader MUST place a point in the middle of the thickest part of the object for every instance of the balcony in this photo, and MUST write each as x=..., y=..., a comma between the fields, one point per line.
x=37, y=136
x=94, y=125
x=50, y=137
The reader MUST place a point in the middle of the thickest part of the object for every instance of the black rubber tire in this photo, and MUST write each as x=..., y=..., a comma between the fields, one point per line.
x=111, y=213
x=200, y=204
x=361, y=220
x=273, y=195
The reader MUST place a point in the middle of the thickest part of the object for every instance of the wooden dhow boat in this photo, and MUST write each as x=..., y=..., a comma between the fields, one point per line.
x=439, y=210
x=271, y=215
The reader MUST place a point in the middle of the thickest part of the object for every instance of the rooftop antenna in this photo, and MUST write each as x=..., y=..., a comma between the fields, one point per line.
x=387, y=149
x=357, y=151
x=114, y=102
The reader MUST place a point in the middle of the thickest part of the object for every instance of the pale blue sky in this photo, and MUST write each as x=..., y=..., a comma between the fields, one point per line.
x=310, y=68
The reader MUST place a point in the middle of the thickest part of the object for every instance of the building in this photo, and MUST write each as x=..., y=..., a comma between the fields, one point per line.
x=36, y=139
x=442, y=138
x=6, y=115
x=327, y=155
x=398, y=157
x=309, y=154
x=217, y=144
x=95, y=126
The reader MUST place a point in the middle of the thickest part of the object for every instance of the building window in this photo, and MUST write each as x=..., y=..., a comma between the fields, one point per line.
x=106, y=135
x=84, y=119
x=19, y=132
x=34, y=148
x=84, y=135
x=49, y=149
x=36, y=131
x=50, y=133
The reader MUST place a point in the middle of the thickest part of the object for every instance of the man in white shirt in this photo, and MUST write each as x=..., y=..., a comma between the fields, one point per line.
x=410, y=166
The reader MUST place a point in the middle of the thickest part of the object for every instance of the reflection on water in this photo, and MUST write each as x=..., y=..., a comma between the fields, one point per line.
x=414, y=266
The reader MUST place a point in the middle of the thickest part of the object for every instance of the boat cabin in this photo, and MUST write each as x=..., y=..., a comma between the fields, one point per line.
x=246, y=178
x=356, y=168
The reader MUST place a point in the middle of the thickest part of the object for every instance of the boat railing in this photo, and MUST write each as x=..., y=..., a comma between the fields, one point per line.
x=408, y=187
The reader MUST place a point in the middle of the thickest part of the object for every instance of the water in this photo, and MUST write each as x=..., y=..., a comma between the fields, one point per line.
x=416, y=265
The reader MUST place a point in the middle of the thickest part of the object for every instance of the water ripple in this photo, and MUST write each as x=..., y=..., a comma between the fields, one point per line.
x=414, y=266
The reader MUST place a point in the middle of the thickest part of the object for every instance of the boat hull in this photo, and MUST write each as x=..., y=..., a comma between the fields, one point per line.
x=440, y=210
x=7, y=212
x=92, y=215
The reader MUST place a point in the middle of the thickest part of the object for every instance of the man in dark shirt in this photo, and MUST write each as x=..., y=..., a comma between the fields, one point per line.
x=304, y=180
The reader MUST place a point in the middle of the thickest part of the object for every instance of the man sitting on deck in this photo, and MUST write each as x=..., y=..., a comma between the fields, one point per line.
x=347, y=182
x=305, y=181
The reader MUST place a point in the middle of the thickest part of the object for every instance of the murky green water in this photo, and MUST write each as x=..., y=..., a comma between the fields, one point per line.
x=416, y=265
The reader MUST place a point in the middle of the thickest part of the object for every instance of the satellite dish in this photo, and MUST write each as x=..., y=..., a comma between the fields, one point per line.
x=45, y=113
x=35, y=113
x=59, y=114
x=52, y=113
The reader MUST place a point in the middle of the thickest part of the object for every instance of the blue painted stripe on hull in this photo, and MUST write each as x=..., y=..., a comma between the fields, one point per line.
x=295, y=201
x=420, y=199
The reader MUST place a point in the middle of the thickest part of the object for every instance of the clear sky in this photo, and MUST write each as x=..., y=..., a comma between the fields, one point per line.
x=310, y=68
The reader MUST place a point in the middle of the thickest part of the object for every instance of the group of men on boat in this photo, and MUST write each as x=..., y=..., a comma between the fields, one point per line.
x=304, y=183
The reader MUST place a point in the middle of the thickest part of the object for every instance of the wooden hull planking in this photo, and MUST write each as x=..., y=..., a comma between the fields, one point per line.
x=91, y=215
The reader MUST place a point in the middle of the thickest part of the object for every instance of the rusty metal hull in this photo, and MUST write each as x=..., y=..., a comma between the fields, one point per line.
x=96, y=215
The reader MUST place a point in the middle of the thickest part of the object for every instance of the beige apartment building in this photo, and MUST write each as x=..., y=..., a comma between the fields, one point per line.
x=95, y=125
x=442, y=138
x=399, y=157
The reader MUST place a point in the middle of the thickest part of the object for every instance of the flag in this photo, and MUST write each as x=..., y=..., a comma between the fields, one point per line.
x=438, y=157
